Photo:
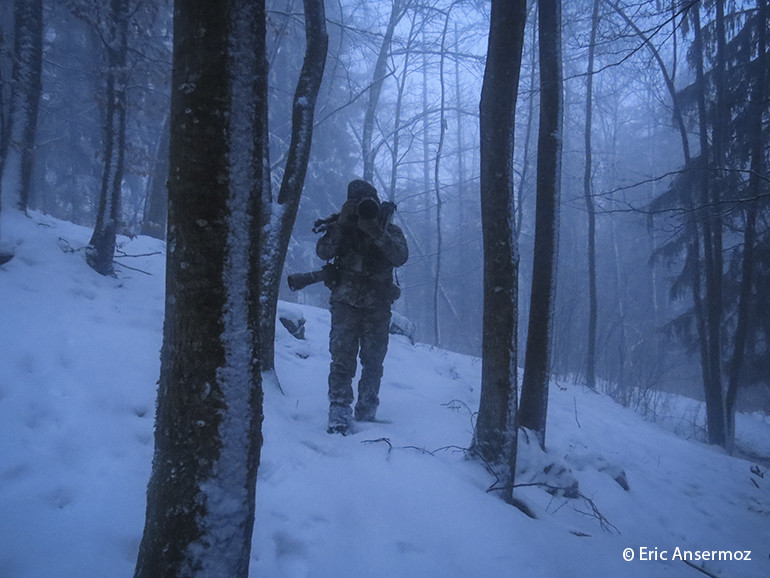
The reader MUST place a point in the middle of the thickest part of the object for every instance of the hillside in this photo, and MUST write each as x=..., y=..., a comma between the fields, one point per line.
x=77, y=385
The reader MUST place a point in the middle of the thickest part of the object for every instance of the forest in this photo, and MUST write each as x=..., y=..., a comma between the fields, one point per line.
x=583, y=187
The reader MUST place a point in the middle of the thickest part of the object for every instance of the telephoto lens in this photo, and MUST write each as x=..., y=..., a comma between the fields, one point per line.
x=368, y=209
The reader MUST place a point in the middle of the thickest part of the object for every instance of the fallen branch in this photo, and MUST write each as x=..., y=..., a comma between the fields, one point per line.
x=132, y=268
x=122, y=254
x=391, y=447
x=604, y=523
x=380, y=440
x=594, y=512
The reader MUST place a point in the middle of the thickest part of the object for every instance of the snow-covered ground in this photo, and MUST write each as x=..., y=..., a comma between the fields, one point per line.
x=78, y=369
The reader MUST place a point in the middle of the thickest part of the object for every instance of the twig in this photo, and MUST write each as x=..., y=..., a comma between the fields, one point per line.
x=122, y=254
x=604, y=523
x=66, y=246
x=421, y=450
x=699, y=569
x=457, y=404
x=391, y=447
x=383, y=440
x=577, y=421
x=132, y=268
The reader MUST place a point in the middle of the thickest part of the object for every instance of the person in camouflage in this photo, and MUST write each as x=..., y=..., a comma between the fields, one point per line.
x=365, y=247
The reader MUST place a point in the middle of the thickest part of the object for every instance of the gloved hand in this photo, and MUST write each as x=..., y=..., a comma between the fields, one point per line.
x=371, y=227
x=348, y=214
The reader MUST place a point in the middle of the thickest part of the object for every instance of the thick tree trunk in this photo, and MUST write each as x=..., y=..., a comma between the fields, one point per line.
x=495, y=435
x=29, y=43
x=534, y=389
x=101, y=248
x=6, y=75
x=201, y=494
x=282, y=214
x=6, y=32
x=21, y=124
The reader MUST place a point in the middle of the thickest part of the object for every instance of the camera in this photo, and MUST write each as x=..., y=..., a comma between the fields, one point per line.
x=368, y=209
x=365, y=210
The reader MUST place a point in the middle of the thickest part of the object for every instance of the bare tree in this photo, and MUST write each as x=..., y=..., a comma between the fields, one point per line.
x=534, y=388
x=6, y=18
x=437, y=181
x=397, y=12
x=711, y=309
x=280, y=215
x=748, y=264
x=201, y=494
x=590, y=208
x=395, y=147
x=101, y=248
x=156, y=199
x=495, y=435
x=19, y=127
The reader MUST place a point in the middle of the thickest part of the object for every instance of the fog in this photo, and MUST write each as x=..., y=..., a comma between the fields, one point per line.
x=424, y=151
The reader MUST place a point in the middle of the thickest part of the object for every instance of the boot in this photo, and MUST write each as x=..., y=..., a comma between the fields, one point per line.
x=339, y=419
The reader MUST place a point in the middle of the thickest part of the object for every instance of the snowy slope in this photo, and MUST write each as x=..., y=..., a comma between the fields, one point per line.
x=77, y=385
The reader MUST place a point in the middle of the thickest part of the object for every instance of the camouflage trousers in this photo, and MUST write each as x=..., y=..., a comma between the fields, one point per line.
x=363, y=332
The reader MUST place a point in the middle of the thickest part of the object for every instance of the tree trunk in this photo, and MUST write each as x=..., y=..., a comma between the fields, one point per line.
x=281, y=215
x=757, y=103
x=437, y=186
x=620, y=292
x=6, y=75
x=525, y=164
x=397, y=11
x=495, y=435
x=395, y=150
x=156, y=204
x=460, y=140
x=101, y=248
x=534, y=389
x=25, y=102
x=591, y=210
x=715, y=285
x=6, y=32
x=712, y=264
x=201, y=494
x=426, y=311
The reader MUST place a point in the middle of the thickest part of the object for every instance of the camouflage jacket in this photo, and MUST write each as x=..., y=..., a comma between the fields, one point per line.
x=365, y=265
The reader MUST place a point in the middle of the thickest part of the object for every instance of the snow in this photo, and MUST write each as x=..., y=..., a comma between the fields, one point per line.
x=397, y=498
